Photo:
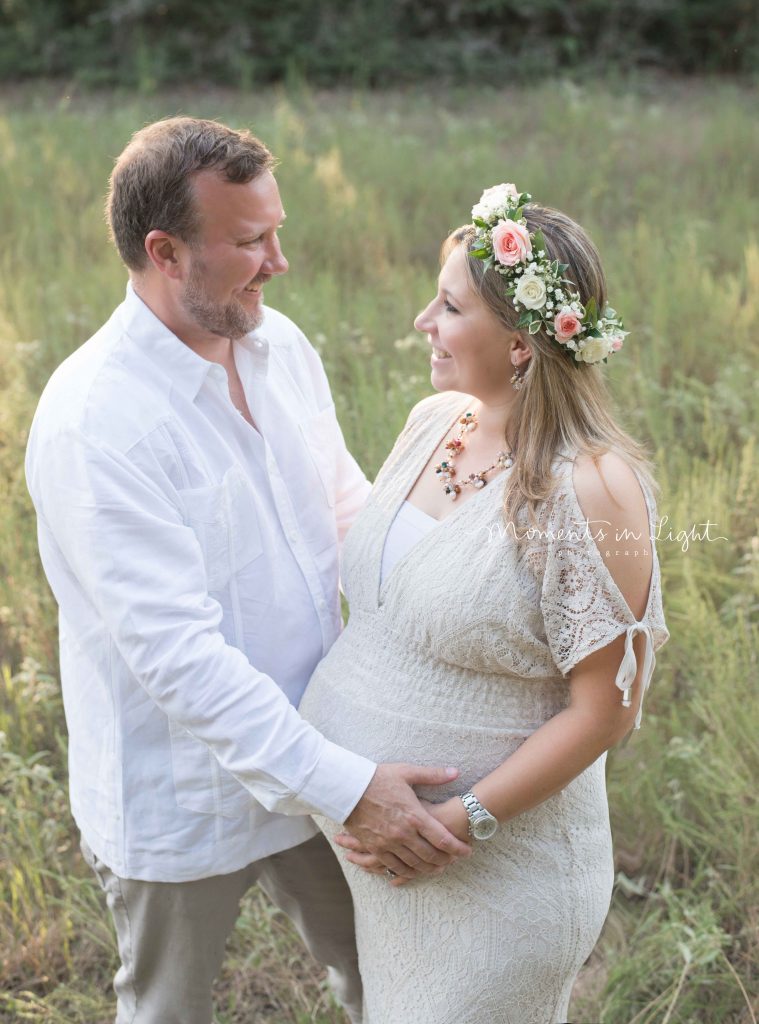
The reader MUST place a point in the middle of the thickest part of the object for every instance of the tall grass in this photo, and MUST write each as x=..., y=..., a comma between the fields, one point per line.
x=662, y=176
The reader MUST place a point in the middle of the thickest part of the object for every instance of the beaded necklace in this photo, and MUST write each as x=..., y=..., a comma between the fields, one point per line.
x=447, y=471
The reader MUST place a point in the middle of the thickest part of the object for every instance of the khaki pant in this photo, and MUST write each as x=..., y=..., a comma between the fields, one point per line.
x=171, y=935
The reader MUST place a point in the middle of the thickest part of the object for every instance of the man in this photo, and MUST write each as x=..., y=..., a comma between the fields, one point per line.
x=191, y=485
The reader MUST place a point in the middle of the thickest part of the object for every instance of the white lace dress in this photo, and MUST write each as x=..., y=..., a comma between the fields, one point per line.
x=458, y=656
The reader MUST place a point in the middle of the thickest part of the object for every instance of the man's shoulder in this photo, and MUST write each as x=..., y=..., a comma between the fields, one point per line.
x=295, y=355
x=97, y=392
x=280, y=330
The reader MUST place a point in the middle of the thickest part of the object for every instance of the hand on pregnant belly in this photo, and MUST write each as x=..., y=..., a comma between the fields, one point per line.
x=391, y=828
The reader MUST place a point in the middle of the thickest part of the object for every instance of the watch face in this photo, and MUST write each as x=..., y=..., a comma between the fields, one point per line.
x=485, y=827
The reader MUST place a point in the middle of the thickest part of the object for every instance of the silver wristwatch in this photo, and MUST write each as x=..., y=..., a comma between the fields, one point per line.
x=482, y=824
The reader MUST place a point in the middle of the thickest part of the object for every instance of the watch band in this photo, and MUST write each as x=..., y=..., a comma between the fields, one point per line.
x=482, y=824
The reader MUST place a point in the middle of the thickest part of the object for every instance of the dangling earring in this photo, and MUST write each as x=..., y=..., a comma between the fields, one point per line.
x=518, y=379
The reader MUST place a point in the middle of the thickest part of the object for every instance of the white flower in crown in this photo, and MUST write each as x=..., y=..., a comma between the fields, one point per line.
x=495, y=200
x=593, y=350
x=531, y=291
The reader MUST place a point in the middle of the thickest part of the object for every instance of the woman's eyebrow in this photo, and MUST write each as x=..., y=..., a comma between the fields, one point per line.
x=449, y=293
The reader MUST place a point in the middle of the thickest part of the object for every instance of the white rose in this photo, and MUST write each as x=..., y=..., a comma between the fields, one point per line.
x=594, y=350
x=494, y=201
x=531, y=291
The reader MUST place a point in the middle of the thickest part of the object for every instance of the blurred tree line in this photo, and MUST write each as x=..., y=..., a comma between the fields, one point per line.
x=368, y=42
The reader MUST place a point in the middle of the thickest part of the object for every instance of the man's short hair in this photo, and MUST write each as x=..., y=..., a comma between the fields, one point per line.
x=150, y=187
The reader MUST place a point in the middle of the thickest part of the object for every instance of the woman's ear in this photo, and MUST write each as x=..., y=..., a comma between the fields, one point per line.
x=520, y=352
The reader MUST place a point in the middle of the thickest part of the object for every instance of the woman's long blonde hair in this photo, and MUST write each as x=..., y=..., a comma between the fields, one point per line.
x=562, y=403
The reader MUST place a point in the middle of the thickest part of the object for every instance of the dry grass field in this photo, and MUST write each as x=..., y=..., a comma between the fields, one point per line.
x=664, y=177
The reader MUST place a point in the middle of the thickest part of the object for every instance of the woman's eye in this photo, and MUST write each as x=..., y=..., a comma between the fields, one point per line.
x=449, y=308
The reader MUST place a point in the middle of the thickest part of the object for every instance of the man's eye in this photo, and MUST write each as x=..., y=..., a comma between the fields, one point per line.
x=449, y=308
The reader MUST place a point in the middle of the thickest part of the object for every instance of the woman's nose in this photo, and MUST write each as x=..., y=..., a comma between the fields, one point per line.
x=423, y=320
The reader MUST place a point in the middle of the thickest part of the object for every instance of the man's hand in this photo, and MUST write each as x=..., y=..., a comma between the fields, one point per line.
x=391, y=828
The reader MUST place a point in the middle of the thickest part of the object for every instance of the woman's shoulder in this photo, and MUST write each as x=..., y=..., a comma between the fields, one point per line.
x=437, y=406
x=608, y=484
x=425, y=424
x=613, y=503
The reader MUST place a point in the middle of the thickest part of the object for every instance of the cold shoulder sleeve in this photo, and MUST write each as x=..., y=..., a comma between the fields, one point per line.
x=583, y=608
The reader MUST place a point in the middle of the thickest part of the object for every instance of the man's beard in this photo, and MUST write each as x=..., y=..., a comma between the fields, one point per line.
x=229, y=320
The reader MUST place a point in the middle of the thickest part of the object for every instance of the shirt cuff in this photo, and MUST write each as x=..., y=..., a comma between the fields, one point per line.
x=337, y=783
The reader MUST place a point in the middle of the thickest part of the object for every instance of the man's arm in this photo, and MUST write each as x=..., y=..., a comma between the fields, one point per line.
x=142, y=569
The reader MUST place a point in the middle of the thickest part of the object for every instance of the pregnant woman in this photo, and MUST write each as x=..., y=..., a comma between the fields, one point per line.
x=505, y=607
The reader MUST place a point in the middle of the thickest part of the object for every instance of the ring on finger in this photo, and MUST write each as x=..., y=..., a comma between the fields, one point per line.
x=390, y=874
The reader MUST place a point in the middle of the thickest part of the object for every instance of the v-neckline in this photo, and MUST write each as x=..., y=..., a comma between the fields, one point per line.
x=382, y=585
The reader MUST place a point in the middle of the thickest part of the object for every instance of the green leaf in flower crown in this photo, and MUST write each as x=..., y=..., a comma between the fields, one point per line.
x=534, y=326
x=479, y=253
x=480, y=223
x=538, y=242
x=525, y=319
x=610, y=314
x=555, y=268
x=563, y=268
x=517, y=214
x=594, y=333
x=591, y=312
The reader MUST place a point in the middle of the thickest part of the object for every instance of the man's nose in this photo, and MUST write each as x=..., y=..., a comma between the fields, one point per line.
x=276, y=262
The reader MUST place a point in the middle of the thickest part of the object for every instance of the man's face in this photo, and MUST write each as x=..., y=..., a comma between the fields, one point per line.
x=236, y=253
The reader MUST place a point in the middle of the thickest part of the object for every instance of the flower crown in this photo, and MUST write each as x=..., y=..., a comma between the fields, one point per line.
x=535, y=284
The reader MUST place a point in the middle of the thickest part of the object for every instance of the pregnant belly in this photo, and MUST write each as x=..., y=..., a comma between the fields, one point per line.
x=391, y=704
x=384, y=735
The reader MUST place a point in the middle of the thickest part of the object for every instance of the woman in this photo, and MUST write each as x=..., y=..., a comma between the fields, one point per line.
x=501, y=581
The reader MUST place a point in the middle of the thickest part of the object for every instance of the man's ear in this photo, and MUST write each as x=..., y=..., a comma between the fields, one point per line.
x=163, y=253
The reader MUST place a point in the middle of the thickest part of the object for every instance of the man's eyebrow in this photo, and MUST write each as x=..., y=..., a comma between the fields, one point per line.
x=258, y=229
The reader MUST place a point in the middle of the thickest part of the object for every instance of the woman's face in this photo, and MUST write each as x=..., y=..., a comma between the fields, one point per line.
x=470, y=346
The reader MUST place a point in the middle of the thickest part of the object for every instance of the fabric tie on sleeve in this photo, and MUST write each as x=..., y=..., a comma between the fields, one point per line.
x=629, y=667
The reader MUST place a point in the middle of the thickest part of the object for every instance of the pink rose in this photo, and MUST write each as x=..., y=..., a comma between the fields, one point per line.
x=566, y=324
x=511, y=243
x=616, y=344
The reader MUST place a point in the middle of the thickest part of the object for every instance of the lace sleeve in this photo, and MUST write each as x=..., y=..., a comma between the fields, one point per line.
x=582, y=606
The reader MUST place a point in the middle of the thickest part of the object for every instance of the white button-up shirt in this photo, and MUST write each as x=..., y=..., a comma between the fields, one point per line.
x=194, y=560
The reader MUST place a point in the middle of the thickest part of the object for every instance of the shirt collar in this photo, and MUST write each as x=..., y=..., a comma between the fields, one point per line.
x=175, y=360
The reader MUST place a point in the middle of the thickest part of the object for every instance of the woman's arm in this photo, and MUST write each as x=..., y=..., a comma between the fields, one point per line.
x=595, y=719
x=560, y=749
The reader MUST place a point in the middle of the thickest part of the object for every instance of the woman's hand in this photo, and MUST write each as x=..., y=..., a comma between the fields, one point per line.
x=451, y=814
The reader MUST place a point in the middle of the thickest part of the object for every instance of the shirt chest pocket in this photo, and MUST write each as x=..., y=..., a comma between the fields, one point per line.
x=224, y=519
